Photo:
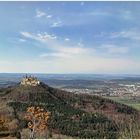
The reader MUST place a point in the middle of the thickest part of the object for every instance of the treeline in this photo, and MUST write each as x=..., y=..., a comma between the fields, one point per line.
x=73, y=122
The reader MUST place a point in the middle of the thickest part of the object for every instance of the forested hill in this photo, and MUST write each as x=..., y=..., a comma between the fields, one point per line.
x=72, y=115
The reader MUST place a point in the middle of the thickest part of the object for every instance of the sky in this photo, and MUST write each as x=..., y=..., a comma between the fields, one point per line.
x=70, y=37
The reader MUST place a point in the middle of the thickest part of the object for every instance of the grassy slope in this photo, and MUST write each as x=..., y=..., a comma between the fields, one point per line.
x=127, y=100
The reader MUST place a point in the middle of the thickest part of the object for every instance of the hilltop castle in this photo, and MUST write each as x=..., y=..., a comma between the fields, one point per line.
x=29, y=81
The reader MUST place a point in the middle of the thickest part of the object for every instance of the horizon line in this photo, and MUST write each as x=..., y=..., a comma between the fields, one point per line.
x=70, y=73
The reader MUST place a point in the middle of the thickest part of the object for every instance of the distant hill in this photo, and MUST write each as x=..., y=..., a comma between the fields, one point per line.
x=72, y=115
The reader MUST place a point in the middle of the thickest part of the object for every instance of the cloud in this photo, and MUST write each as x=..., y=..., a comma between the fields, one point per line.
x=114, y=49
x=49, y=16
x=67, y=39
x=67, y=58
x=55, y=55
x=91, y=64
x=63, y=57
x=22, y=40
x=57, y=45
x=126, y=14
x=82, y=3
x=38, y=37
x=26, y=34
x=73, y=50
x=40, y=14
x=65, y=52
x=46, y=36
x=132, y=34
x=76, y=64
x=53, y=21
x=57, y=23
x=64, y=48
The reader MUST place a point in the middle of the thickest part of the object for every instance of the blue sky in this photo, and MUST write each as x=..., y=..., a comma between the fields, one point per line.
x=70, y=37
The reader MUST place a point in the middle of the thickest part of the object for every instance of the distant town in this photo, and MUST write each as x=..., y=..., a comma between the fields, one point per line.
x=108, y=89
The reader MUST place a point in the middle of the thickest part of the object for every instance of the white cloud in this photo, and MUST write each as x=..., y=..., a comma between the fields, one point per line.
x=39, y=37
x=49, y=16
x=53, y=21
x=57, y=23
x=76, y=64
x=26, y=34
x=46, y=36
x=82, y=3
x=67, y=52
x=126, y=15
x=40, y=14
x=59, y=47
x=73, y=50
x=132, y=34
x=114, y=49
x=86, y=64
x=67, y=39
x=22, y=40
x=80, y=44
x=55, y=55
x=63, y=57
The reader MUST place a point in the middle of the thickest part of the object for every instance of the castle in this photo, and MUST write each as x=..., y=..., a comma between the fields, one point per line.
x=29, y=81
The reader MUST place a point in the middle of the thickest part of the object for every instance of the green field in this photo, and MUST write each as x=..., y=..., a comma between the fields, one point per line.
x=130, y=101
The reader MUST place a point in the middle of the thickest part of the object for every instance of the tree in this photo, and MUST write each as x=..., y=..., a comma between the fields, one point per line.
x=3, y=124
x=37, y=119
